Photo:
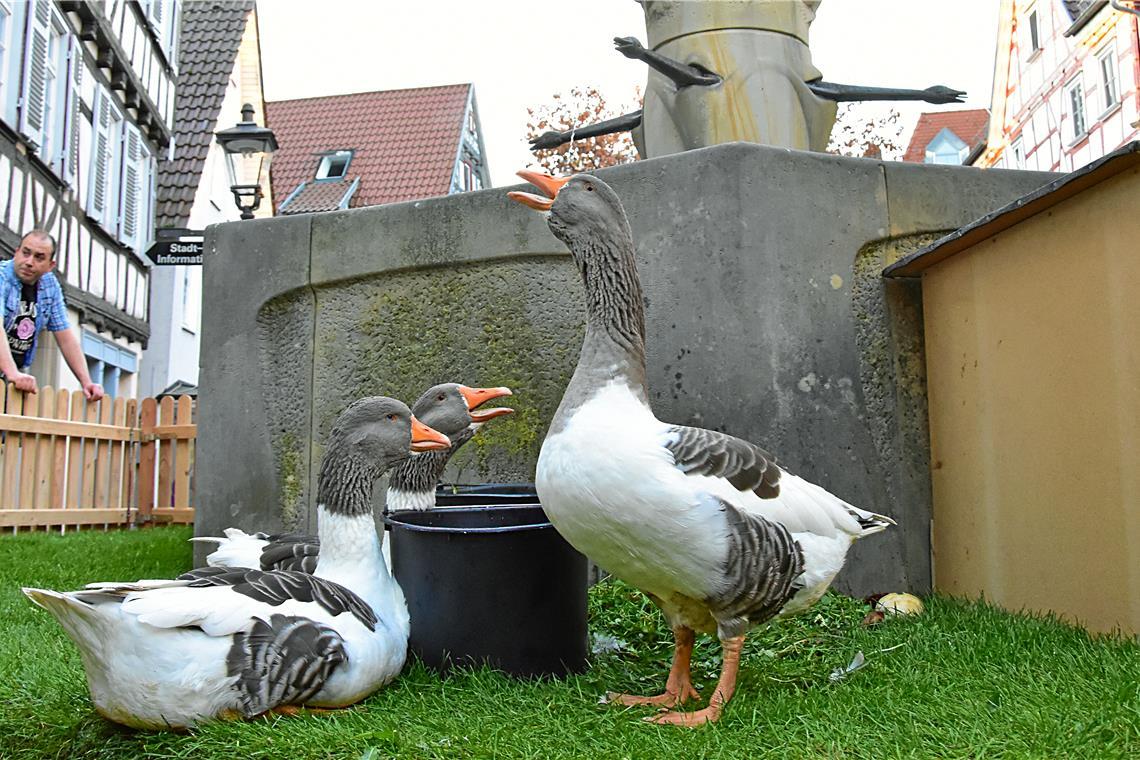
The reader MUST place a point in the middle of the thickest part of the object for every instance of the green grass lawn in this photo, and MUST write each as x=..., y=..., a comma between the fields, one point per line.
x=963, y=680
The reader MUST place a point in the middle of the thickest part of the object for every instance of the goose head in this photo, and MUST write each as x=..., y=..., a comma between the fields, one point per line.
x=369, y=437
x=582, y=211
x=450, y=407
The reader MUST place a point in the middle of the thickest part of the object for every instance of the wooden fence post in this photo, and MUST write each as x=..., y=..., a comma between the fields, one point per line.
x=147, y=418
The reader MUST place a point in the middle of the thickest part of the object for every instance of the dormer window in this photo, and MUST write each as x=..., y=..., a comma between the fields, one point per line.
x=334, y=165
x=946, y=148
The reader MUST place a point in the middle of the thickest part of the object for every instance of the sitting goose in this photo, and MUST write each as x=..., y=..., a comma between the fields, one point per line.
x=219, y=643
x=450, y=408
x=708, y=525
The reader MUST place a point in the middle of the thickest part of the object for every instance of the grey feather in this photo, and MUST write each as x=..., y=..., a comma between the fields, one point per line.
x=761, y=569
x=278, y=586
x=706, y=452
x=283, y=662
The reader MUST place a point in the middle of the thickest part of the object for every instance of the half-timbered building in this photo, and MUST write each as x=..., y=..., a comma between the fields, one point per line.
x=1065, y=83
x=219, y=72
x=86, y=108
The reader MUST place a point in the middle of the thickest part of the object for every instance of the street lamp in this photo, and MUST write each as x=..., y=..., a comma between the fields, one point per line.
x=242, y=141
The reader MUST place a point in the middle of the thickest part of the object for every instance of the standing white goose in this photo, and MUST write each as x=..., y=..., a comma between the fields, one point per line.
x=718, y=535
x=450, y=408
x=218, y=643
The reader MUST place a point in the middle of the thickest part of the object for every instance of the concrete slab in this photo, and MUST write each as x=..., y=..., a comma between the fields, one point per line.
x=767, y=318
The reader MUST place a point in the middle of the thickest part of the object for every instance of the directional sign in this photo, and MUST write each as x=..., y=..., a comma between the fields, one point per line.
x=175, y=246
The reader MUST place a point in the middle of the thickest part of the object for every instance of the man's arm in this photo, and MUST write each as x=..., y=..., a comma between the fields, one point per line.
x=12, y=373
x=72, y=352
x=22, y=381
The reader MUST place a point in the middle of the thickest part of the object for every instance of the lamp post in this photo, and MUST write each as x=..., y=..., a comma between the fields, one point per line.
x=246, y=140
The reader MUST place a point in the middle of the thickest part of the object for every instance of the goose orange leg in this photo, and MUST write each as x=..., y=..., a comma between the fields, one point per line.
x=723, y=692
x=679, y=686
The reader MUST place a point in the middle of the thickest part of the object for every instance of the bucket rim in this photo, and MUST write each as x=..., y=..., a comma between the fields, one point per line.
x=392, y=521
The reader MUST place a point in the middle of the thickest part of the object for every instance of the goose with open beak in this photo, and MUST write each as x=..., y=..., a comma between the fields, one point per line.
x=451, y=408
x=708, y=525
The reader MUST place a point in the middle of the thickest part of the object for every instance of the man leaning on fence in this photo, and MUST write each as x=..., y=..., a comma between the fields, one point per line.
x=31, y=300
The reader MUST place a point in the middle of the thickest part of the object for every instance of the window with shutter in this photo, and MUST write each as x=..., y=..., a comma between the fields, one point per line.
x=6, y=27
x=131, y=187
x=32, y=96
x=103, y=183
x=74, y=114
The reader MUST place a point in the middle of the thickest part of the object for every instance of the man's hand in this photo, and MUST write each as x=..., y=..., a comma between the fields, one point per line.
x=93, y=391
x=23, y=382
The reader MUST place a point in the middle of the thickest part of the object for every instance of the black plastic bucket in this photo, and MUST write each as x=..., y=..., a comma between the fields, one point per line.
x=491, y=584
x=462, y=495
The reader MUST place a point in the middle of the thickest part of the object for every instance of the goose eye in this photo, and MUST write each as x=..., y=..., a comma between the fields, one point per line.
x=392, y=417
x=590, y=188
x=440, y=397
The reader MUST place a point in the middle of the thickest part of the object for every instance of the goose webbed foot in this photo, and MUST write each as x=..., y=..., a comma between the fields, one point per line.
x=723, y=692
x=675, y=694
x=679, y=687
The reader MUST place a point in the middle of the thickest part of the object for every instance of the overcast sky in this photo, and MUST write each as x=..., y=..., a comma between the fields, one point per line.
x=519, y=52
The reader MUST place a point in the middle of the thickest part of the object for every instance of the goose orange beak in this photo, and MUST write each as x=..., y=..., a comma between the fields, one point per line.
x=427, y=439
x=475, y=397
x=547, y=184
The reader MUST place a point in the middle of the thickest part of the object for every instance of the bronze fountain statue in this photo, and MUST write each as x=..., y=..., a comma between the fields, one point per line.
x=728, y=70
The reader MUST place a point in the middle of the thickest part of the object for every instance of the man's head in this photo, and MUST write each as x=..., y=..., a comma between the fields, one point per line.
x=35, y=256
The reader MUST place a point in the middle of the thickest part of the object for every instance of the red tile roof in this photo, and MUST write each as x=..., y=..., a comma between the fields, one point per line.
x=405, y=141
x=318, y=195
x=969, y=126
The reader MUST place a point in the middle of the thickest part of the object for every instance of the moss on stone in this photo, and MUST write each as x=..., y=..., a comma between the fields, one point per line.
x=514, y=322
x=291, y=476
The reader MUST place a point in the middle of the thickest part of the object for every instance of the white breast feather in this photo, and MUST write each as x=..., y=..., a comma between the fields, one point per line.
x=613, y=491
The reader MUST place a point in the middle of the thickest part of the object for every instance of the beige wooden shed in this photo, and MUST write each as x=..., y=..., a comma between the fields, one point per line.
x=1032, y=344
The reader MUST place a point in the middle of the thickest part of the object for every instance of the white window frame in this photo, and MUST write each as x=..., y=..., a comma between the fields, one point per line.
x=56, y=95
x=191, y=299
x=1018, y=153
x=7, y=24
x=1033, y=29
x=73, y=113
x=1076, y=108
x=327, y=161
x=1106, y=63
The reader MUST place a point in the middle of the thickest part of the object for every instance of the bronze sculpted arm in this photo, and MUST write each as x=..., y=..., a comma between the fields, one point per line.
x=622, y=123
x=683, y=74
x=840, y=92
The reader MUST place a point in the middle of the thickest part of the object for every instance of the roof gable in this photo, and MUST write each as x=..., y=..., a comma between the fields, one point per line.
x=209, y=39
x=969, y=126
x=404, y=142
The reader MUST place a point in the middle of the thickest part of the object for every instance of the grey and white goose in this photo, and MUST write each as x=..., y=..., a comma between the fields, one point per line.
x=451, y=408
x=709, y=526
x=218, y=643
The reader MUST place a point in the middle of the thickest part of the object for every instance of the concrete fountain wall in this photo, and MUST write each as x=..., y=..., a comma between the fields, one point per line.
x=767, y=319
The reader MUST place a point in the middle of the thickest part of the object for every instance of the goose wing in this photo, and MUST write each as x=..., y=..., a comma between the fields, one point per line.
x=747, y=467
x=746, y=475
x=276, y=587
x=285, y=660
x=296, y=552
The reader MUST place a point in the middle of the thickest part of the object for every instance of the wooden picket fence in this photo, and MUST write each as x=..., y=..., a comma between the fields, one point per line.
x=64, y=462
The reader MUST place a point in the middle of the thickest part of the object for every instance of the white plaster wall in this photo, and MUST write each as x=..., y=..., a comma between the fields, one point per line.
x=172, y=352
